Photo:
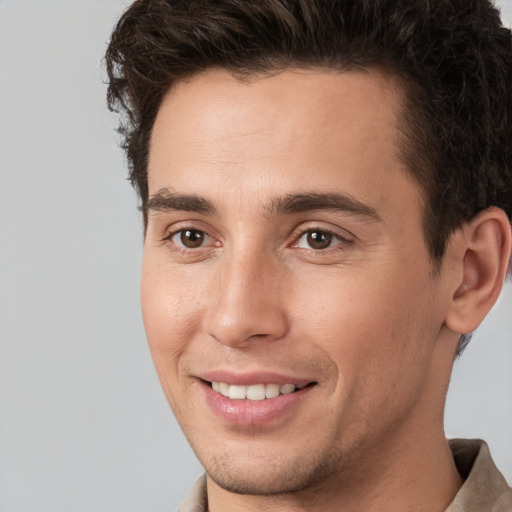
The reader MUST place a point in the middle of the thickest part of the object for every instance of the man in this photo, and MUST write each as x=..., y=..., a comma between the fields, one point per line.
x=327, y=193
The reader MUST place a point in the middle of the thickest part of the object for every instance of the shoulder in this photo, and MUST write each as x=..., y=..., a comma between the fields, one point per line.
x=484, y=488
x=196, y=500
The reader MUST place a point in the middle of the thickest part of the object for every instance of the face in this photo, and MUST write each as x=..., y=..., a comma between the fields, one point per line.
x=286, y=287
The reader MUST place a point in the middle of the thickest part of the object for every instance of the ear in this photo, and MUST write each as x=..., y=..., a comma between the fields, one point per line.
x=481, y=251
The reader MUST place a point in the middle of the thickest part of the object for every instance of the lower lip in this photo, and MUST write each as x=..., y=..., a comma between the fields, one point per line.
x=252, y=412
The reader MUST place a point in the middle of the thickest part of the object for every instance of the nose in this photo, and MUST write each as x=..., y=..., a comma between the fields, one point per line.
x=246, y=302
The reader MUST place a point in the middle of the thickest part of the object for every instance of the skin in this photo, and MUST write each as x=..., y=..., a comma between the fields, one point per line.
x=364, y=318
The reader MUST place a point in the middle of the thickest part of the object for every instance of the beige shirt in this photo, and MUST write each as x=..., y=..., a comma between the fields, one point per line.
x=484, y=488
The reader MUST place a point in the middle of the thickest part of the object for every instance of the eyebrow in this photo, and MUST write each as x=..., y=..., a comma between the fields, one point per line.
x=164, y=200
x=296, y=203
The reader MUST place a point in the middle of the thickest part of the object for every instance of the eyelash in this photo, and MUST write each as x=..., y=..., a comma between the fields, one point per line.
x=341, y=241
x=297, y=236
x=169, y=238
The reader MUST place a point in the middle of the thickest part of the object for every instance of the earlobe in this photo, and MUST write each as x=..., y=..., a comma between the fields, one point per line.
x=483, y=261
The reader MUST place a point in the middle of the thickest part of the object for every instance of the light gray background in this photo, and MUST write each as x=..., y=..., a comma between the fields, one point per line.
x=84, y=425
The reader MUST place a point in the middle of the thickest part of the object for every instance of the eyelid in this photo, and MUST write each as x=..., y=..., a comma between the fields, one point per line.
x=344, y=235
x=303, y=243
x=172, y=227
x=170, y=234
x=179, y=227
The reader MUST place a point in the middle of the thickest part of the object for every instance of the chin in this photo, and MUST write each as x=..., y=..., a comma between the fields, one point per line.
x=272, y=475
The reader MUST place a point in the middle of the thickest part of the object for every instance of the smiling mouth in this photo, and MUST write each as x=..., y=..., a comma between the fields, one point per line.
x=256, y=391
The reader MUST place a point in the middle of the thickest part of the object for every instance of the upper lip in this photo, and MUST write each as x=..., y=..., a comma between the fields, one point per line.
x=251, y=378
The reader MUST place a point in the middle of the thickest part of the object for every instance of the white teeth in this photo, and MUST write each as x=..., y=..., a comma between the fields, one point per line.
x=237, y=392
x=223, y=388
x=287, y=388
x=255, y=391
x=271, y=390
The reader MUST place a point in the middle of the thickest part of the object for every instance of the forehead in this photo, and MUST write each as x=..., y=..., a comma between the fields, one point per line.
x=299, y=129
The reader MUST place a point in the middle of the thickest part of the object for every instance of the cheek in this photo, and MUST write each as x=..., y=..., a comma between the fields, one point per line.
x=170, y=317
x=375, y=325
x=379, y=338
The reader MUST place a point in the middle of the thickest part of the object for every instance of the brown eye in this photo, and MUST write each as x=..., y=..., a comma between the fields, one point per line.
x=189, y=238
x=319, y=239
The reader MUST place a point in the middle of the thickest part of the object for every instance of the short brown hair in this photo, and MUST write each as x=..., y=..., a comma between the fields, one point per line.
x=454, y=58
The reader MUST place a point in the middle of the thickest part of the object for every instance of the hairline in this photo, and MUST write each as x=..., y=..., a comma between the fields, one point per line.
x=406, y=148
